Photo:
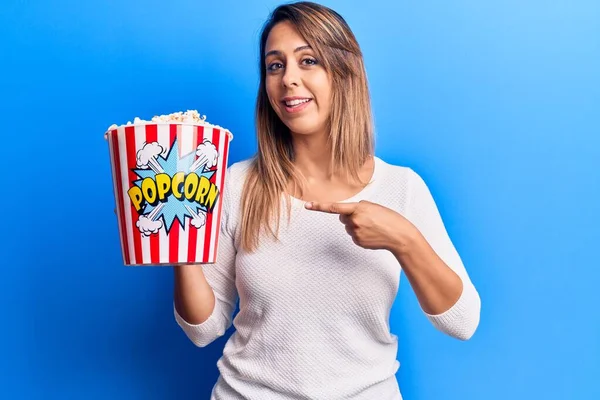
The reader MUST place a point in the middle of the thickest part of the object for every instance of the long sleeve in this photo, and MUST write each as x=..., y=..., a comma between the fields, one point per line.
x=221, y=277
x=462, y=319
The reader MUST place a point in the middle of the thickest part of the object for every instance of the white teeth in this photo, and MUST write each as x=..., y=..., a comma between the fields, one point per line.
x=295, y=102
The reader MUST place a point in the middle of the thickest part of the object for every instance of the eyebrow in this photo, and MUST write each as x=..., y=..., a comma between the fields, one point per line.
x=279, y=53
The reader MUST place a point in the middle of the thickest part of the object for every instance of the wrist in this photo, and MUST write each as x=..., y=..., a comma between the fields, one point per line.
x=404, y=242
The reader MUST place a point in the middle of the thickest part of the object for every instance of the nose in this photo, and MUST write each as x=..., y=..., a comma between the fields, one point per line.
x=291, y=76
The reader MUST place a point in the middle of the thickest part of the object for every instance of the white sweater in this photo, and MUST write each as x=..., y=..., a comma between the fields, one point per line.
x=314, y=307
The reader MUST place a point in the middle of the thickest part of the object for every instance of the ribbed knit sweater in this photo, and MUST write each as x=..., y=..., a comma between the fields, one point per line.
x=313, y=320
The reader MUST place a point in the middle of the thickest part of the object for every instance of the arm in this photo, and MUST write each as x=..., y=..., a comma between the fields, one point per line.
x=205, y=296
x=434, y=268
x=421, y=245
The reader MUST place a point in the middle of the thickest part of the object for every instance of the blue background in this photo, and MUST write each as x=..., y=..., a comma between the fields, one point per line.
x=496, y=104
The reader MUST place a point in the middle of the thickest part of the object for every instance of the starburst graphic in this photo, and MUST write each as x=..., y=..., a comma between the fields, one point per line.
x=151, y=161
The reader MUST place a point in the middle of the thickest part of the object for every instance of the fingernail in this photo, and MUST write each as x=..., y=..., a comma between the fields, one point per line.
x=308, y=205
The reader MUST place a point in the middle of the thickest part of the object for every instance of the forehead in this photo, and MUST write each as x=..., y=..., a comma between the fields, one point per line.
x=284, y=37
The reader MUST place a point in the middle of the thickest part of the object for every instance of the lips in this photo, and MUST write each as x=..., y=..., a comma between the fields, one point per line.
x=295, y=104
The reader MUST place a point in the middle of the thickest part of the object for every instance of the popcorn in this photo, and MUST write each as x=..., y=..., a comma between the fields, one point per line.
x=188, y=117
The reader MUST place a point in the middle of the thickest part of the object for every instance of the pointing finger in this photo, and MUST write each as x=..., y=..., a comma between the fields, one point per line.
x=333, y=208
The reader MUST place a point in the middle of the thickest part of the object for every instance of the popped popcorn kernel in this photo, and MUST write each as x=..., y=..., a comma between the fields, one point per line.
x=187, y=117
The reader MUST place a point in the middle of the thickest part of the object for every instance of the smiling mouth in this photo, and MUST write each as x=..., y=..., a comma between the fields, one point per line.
x=296, y=102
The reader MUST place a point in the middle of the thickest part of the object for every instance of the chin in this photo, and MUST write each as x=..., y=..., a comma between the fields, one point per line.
x=299, y=131
x=303, y=129
x=303, y=133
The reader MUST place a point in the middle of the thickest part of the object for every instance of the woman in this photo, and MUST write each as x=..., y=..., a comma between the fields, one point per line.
x=315, y=232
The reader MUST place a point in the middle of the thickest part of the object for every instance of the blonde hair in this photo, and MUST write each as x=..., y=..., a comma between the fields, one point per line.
x=350, y=121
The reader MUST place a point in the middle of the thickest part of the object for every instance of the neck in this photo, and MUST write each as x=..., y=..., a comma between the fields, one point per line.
x=312, y=156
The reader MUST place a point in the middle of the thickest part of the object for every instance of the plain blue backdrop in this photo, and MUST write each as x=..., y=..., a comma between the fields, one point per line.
x=495, y=103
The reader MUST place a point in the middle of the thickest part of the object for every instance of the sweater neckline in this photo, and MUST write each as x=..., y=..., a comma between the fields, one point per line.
x=360, y=195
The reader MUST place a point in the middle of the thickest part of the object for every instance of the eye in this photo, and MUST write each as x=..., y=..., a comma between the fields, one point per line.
x=274, y=66
x=309, y=61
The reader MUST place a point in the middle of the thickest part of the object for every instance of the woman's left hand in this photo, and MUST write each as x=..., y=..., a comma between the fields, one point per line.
x=371, y=226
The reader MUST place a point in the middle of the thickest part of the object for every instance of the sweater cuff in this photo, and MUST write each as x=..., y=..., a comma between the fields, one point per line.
x=202, y=332
x=460, y=320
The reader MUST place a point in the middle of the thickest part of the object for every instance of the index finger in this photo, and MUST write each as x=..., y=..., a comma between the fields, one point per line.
x=332, y=208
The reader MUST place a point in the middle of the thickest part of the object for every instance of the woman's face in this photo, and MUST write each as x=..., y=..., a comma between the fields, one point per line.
x=298, y=87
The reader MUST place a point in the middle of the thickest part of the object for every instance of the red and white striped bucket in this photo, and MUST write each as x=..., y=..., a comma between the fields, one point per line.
x=168, y=183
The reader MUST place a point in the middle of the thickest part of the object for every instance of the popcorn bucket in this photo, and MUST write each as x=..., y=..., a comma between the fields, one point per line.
x=168, y=180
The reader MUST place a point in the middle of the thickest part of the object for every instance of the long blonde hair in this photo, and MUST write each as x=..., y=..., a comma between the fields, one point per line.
x=350, y=121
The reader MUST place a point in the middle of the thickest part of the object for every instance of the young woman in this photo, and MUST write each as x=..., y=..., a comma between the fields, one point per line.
x=315, y=233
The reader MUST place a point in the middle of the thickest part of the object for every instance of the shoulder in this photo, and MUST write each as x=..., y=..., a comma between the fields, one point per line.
x=399, y=185
x=235, y=177
x=236, y=174
x=392, y=173
x=239, y=169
